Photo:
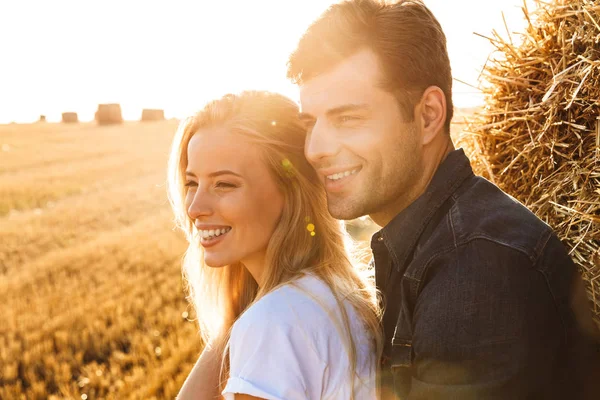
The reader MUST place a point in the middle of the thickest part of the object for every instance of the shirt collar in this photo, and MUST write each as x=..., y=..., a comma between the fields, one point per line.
x=400, y=235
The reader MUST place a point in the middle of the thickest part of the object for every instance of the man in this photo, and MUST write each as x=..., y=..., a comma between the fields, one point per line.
x=481, y=299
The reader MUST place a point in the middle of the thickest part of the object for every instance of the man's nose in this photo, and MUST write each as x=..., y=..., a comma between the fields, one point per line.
x=321, y=142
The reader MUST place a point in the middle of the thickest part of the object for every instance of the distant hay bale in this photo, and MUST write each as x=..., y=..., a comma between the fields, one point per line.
x=68, y=117
x=42, y=118
x=538, y=136
x=109, y=114
x=149, y=114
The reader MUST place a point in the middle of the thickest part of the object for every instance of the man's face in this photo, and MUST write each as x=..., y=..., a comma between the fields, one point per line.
x=368, y=156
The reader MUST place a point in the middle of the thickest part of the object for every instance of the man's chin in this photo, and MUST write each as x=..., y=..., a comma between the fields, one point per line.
x=343, y=210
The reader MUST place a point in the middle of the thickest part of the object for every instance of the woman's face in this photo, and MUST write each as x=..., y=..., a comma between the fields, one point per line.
x=232, y=198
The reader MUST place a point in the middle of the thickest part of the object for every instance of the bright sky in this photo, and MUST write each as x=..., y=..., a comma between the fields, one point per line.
x=70, y=55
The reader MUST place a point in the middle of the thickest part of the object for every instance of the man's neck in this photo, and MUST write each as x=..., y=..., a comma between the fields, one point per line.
x=431, y=164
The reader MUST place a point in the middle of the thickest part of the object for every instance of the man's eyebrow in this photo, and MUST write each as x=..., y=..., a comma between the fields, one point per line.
x=346, y=108
x=305, y=117
x=336, y=111
x=215, y=174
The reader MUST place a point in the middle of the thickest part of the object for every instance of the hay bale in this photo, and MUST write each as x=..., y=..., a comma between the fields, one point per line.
x=109, y=114
x=538, y=136
x=69, y=117
x=149, y=114
x=42, y=118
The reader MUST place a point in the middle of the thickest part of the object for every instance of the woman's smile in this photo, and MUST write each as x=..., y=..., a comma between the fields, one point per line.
x=210, y=237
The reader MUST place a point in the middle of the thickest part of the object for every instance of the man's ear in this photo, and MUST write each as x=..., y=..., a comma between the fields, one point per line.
x=432, y=112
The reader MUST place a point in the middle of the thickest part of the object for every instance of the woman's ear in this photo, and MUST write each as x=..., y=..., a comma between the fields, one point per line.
x=432, y=112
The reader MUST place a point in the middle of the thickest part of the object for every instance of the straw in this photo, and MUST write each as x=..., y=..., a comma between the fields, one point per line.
x=538, y=135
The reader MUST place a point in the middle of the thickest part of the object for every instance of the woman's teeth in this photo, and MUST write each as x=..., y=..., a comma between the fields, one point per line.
x=213, y=233
x=341, y=175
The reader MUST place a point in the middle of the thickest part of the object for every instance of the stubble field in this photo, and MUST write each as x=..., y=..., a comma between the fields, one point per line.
x=92, y=297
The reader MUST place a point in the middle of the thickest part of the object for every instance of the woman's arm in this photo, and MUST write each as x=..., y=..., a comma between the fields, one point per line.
x=203, y=381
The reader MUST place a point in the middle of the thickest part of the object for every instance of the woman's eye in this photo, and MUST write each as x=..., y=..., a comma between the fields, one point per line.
x=190, y=184
x=224, y=185
x=345, y=119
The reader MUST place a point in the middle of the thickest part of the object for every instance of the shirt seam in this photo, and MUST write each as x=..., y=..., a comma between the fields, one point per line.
x=448, y=249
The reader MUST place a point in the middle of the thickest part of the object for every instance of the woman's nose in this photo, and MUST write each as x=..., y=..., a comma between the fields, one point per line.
x=200, y=205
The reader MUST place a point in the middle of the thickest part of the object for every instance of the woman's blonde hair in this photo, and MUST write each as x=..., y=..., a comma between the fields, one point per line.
x=306, y=239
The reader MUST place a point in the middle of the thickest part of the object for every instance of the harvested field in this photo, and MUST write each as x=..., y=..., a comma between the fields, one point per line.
x=89, y=265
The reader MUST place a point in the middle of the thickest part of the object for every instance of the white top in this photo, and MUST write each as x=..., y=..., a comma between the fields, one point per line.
x=289, y=345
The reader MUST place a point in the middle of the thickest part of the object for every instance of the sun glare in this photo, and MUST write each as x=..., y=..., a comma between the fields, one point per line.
x=73, y=55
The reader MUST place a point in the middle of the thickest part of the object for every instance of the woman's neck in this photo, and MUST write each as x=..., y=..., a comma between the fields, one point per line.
x=255, y=265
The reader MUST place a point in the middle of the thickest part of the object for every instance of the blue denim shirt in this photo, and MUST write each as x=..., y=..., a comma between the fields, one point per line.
x=482, y=299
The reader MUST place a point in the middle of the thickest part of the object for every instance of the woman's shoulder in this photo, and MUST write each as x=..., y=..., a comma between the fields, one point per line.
x=300, y=325
x=304, y=308
x=300, y=301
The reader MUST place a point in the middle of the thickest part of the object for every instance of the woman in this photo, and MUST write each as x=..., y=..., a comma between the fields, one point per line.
x=284, y=312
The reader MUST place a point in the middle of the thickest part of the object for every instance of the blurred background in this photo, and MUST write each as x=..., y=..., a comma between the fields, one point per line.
x=68, y=55
x=93, y=304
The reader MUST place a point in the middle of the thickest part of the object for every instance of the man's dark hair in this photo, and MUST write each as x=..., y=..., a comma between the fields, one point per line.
x=405, y=36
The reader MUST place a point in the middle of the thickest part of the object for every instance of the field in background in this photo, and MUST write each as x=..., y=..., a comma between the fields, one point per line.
x=92, y=297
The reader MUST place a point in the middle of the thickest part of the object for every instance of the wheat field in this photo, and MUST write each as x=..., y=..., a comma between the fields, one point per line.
x=93, y=304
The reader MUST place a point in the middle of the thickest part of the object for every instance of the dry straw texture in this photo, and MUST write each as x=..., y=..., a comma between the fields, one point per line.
x=538, y=136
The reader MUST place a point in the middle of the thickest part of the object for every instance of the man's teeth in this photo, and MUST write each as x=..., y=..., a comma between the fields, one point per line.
x=341, y=175
x=213, y=233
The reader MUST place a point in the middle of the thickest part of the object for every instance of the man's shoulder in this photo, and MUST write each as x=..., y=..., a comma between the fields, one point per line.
x=494, y=243
x=481, y=211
